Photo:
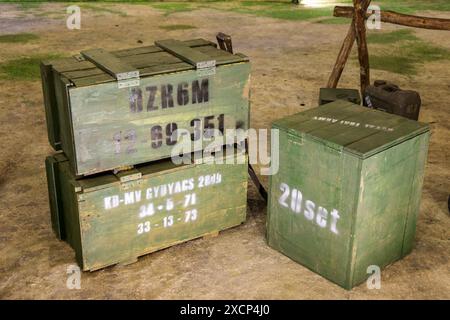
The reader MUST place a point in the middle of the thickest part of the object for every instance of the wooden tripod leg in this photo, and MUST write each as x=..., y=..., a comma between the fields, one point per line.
x=262, y=191
x=225, y=44
x=342, y=56
x=399, y=18
x=344, y=53
x=363, y=53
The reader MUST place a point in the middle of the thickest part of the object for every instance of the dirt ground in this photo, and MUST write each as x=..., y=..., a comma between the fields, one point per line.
x=291, y=60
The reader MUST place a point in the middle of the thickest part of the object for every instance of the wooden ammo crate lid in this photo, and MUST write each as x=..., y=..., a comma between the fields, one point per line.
x=348, y=127
x=81, y=70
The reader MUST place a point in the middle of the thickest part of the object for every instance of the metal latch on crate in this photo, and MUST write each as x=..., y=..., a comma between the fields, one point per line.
x=201, y=61
x=128, y=177
x=125, y=74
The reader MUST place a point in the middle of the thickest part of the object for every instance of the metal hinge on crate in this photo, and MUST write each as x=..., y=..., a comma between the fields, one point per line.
x=128, y=178
x=125, y=74
x=203, y=63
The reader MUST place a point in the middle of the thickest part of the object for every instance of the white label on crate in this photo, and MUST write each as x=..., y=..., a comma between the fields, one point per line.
x=161, y=191
x=160, y=200
x=293, y=199
x=354, y=124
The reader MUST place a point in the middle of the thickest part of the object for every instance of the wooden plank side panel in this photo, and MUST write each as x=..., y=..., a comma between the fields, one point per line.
x=379, y=141
x=137, y=58
x=64, y=116
x=96, y=76
x=177, y=207
x=163, y=69
x=129, y=52
x=151, y=49
x=109, y=63
x=362, y=125
x=71, y=64
x=351, y=184
x=421, y=147
x=221, y=56
x=184, y=52
x=300, y=192
x=54, y=194
x=70, y=211
x=93, y=80
x=82, y=73
x=111, y=130
x=151, y=59
x=50, y=104
x=305, y=121
x=387, y=183
x=193, y=43
x=355, y=129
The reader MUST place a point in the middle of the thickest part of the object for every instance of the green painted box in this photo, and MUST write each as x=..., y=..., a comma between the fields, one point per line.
x=110, y=219
x=327, y=95
x=109, y=110
x=347, y=192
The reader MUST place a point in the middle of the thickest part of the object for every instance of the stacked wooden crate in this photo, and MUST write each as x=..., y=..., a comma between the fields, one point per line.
x=114, y=192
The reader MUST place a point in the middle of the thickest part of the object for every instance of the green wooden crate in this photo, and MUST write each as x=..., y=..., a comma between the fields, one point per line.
x=110, y=219
x=109, y=110
x=327, y=95
x=348, y=189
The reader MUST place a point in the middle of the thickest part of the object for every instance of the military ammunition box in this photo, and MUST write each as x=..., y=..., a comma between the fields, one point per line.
x=109, y=110
x=110, y=219
x=390, y=98
x=346, y=196
x=328, y=95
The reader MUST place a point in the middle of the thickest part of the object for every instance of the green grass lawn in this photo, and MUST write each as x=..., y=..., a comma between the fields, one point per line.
x=412, y=6
x=101, y=9
x=25, y=68
x=281, y=9
x=172, y=27
x=402, y=52
x=398, y=51
x=173, y=7
x=18, y=38
x=391, y=37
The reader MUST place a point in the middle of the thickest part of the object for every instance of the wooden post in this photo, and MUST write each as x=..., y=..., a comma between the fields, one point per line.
x=399, y=18
x=342, y=57
x=363, y=52
x=357, y=30
x=344, y=53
